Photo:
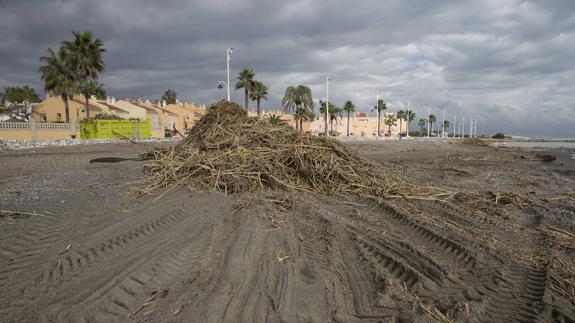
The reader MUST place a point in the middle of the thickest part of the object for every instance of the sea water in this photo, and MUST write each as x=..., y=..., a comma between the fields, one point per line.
x=538, y=144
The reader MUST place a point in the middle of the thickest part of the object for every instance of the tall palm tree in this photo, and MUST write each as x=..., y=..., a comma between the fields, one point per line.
x=302, y=114
x=259, y=92
x=170, y=96
x=86, y=58
x=422, y=122
x=432, y=120
x=245, y=81
x=409, y=116
x=58, y=75
x=297, y=96
x=332, y=109
x=401, y=115
x=446, y=125
x=334, y=113
x=95, y=88
x=379, y=107
x=390, y=120
x=348, y=108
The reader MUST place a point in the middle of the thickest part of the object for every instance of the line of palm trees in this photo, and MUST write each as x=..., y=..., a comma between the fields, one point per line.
x=74, y=68
x=432, y=119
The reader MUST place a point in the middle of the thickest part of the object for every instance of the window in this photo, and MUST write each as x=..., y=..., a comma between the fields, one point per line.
x=58, y=116
x=43, y=117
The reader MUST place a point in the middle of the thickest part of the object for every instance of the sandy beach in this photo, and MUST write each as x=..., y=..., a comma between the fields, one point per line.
x=75, y=247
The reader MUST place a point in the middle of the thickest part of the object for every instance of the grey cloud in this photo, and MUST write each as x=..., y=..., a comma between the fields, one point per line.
x=506, y=63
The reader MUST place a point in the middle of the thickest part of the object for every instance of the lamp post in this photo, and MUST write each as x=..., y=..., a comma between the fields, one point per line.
x=443, y=125
x=428, y=114
x=475, y=128
x=326, y=103
x=377, y=110
x=408, y=115
x=454, y=124
x=229, y=52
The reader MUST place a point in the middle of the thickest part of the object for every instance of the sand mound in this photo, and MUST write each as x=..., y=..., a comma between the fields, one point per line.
x=231, y=152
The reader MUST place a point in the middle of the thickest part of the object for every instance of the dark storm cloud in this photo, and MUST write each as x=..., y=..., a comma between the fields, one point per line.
x=506, y=63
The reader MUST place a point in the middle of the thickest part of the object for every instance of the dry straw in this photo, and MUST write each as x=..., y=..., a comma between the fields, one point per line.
x=229, y=151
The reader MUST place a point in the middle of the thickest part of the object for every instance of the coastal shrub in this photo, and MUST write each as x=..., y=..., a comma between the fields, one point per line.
x=498, y=135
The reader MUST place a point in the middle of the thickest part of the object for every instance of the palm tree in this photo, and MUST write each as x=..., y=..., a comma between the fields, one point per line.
x=390, y=120
x=379, y=107
x=95, y=88
x=170, y=96
x=58, y=76
x=432, y=120
x=302, y=114
x=348, y=108
x=259, y=92
x=297, y=96
x=422, y=122
x=446, y=125
x=276, y=120
x=334, y=113
x=245, y=81
x=409, y=116
x=86, y=58
x=401, y=115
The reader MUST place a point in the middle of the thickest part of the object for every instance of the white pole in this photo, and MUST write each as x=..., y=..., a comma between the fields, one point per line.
x=228, y=54
x=327, y=105
x=377, y=109
x=408, y=114
x=471, y=129
x=443, y=125
x=475, y=128
x=463, y=128
x=428, y=113
x=454, y=124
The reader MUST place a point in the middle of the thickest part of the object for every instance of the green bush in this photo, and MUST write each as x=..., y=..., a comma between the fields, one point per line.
x=498, y=135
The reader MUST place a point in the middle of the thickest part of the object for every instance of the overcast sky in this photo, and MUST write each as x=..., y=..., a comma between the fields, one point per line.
x=509, y=64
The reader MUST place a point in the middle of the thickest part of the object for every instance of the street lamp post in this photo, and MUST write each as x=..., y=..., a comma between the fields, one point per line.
x=443, y=125
x=454, y=124
x=377, y=110
x=408, y=115
x=428, y=114
x=475, y=128
x=326, y=104
x=228, y=55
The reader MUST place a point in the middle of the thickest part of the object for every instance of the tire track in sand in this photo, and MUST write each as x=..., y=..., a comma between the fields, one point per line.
x=518, y=297
x=100, y=251
x=140, y=293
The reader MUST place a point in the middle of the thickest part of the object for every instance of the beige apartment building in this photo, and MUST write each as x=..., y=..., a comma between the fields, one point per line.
x=53, y=109
x=360, y=123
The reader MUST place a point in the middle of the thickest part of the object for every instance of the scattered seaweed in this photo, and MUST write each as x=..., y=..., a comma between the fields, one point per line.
x=472, y=141
x=493, y=198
